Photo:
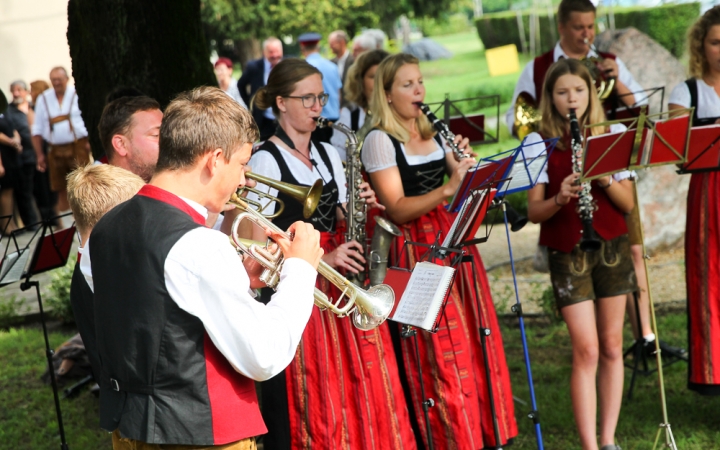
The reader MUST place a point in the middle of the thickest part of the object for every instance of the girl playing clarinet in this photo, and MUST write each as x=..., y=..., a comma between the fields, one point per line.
x=590, y=287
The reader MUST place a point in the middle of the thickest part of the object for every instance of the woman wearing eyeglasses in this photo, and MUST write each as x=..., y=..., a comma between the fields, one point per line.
x=340, y=390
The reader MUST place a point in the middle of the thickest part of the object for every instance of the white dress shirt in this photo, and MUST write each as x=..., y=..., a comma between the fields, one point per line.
x=379, y=153
x=534, y=146
x=263, y=163
x=60, y=132
x=526, y=84
x=338, y=139
x=206, y=278
x=708, y=100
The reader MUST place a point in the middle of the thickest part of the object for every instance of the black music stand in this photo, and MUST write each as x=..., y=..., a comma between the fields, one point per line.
x=437, y=251
x=625, y=110
x=472, y=126
x=50, y=252
x=650, y=145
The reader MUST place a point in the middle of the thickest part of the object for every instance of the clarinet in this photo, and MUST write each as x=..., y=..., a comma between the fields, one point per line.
x=585, y=205
x=444, y=131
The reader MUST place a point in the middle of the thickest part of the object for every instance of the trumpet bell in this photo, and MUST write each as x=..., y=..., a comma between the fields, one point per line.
x=373, y=310
x=308, y=196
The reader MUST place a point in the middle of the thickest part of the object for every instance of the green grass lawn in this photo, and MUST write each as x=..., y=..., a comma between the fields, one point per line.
x=693, y=418
x=27, y=415
x=466, y=75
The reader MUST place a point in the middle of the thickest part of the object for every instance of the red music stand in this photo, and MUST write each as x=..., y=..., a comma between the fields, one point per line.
x=643, y=145
x=703, y=153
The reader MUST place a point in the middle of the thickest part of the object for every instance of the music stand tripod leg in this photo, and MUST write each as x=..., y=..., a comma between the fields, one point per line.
x=427, y=403
x=27, y=284
x=484, y=333
x=669, y=439
x=517, y=309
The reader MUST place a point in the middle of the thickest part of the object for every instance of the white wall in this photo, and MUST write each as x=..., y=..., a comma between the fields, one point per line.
x=32, y=40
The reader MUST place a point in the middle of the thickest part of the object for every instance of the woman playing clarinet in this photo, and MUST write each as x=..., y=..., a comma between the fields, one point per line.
x=342, y=390
x=407, y=163
x=590, y=287
x=702, y=234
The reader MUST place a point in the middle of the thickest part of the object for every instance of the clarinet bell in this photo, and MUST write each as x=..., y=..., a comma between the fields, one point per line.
x=590, y=241
x=516, y=220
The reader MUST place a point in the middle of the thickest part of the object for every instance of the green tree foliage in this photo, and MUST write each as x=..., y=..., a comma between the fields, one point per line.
x=258, y=19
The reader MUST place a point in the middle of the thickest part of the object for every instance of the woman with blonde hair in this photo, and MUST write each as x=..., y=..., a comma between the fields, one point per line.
x=358, y=90
x=590, y=287
x=342, y=389
x=702, y=234
x=407, y=163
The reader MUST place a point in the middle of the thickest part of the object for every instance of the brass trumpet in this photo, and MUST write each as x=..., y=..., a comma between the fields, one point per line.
x=368, y=308
x=309, y=196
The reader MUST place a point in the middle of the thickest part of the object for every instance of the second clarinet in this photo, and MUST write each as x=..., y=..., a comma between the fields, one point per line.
x=444, y=131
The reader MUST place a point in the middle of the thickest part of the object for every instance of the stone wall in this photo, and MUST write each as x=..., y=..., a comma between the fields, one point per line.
x=662, y=192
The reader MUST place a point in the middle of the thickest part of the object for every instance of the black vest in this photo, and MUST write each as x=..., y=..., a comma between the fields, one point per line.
x=81, y=299
x=325, y=215
x=422, y=178
x=697, y=121
x=159, y=369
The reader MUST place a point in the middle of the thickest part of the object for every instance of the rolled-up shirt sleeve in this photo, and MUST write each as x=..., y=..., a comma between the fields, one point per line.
x=41, y=125
x=206, y=278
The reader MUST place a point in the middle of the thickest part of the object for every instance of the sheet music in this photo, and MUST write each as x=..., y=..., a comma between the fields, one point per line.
x=13, y=267
x=424, y=295
x=524, y=173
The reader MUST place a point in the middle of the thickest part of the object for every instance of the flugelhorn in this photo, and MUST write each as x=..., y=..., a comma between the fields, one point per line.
x=309, y=196
x=368, y=308
x=527, y=115
x=604, y=84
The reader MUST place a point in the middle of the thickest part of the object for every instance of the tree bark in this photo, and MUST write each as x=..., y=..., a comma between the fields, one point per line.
x=157, y=47
x=247, y=50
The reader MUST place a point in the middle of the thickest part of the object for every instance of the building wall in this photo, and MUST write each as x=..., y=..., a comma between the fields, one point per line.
x=32, y=40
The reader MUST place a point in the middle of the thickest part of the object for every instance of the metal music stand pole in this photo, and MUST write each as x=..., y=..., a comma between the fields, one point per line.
x=517, y=309
x=49, y=352
x=434, y=251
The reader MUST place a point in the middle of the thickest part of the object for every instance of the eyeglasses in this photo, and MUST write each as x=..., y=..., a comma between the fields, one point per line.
x=308, y=101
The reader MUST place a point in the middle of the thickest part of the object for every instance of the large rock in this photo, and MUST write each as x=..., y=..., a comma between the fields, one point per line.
x=427, y=49
x=662, y=192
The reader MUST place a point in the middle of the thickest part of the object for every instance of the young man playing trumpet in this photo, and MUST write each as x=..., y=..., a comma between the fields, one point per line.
x=179, y=337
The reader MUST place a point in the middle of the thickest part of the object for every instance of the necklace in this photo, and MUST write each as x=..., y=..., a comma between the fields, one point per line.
x=283, y=136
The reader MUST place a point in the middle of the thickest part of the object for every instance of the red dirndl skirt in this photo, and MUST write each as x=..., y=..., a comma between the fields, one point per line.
x=343, y=386
x=453, y=369
x=702, y=272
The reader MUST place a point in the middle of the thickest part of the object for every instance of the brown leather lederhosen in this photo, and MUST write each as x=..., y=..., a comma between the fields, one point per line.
x=64, y=158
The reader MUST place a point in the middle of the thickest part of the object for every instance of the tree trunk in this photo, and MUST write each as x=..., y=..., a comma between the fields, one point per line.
x=155, y=46
x=247, y=50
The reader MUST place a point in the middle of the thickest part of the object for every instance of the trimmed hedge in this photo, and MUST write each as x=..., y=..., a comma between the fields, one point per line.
x=666, y=24
x=499, y=29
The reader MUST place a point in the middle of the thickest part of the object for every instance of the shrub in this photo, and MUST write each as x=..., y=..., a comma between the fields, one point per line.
x=59, y=298
x=11, y=310
x=666, y=24
x=455, y=23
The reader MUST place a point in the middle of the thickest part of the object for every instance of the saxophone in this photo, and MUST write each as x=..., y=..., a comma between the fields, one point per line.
x=356, y=207
x=357, y=210
x=585, y=205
